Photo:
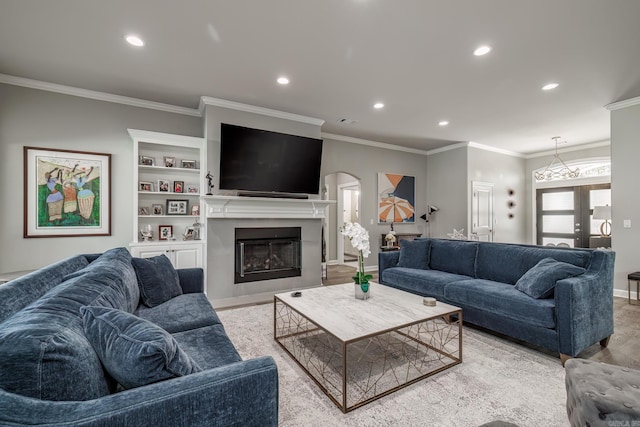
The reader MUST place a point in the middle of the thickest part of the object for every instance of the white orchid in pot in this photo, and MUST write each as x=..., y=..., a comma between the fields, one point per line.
x=359, y=238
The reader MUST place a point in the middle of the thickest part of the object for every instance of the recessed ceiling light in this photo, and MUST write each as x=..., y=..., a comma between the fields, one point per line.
x=443, y=122
x=283, y=80
x=550, y=86
x=378, y=105
x=134, y=40
x=482, y=50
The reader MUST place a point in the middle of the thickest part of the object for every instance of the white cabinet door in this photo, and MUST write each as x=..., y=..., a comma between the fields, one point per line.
x=180, y=255
x=149, y=251
x=187, y=256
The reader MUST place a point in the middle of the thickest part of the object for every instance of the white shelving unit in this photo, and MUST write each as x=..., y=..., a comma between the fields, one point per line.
x=163, y=210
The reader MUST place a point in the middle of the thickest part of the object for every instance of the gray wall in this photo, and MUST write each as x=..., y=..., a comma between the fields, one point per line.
x=30, y=117
x=625, y=152
x=364, y=162
x=505, y=172
x=447, y=189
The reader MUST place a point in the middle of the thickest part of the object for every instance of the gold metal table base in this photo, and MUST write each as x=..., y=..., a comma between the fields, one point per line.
x=357, y=372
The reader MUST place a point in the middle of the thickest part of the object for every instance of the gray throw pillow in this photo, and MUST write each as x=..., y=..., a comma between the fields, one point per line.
x=134, y=351
x=414, y=254
x=540, y=280
x=157, y=278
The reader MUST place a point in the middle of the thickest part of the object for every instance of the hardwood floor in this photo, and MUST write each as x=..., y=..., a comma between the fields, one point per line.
x=624, y=345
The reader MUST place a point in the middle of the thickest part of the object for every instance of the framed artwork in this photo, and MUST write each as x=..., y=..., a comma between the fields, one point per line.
x=145, y=186
x=147, y=161
x=143, y=210
x=396, y=198
x=157, y=209
x=193, y=188
x=178, y=186
x=164, y=185
x=66, y=193
x=195, y=210
x=177, y=207
x=165, y=232
x=169, y=162
x=188, y=164
x=188, y=233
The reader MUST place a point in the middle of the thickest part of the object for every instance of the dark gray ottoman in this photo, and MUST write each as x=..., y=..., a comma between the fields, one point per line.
x=602, y=395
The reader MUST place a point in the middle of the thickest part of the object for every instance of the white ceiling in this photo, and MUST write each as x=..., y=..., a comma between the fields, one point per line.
x=343, y=55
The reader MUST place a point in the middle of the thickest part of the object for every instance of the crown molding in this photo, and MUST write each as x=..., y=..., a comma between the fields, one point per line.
x=376, y=144
x=207, y=100
x=100, y=96
x=447, y=148
x=623, y=104
x=569, y=149
x=495, y=150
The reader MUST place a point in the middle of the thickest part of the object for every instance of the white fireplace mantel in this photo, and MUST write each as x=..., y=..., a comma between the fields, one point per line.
x=264, y=207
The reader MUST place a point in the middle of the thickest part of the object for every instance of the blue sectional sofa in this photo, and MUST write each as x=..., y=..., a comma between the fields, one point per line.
x=111, y=340
x=557, y=298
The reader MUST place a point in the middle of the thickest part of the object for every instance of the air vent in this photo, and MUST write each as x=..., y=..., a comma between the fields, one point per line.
x=347, y=121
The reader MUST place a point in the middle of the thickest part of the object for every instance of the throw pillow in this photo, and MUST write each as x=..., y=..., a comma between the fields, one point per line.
x=157, y=278
x=414, y=254
x=540, y=280
x=134, y=351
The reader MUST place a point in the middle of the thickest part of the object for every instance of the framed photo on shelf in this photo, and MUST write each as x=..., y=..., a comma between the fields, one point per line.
x=195, y=210
x=188, y=164
x=169, y=162
x=177, y=207
x=157, y=209
x=163, y=185
x=193, y=188
x=188, y=233
x=66, y=193
x=147, y=161
x=178, y=186
x=145, y=186
x=165, y=232
x=143, y=210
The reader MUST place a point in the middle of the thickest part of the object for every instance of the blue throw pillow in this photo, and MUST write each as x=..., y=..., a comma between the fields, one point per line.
x=540, y=280
x=414, y=254
x=157, y=278
x=134, y=351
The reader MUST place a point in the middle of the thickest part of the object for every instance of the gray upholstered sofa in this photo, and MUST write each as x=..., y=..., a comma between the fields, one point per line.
x=557, y=298
x=105, y=340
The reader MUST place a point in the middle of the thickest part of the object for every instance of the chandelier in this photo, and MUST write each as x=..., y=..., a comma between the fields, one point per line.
x=557, y=169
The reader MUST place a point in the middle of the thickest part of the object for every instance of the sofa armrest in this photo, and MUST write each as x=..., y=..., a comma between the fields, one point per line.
x=387, y=260
x=243, y=393
x=191, y=280
x=584, y=305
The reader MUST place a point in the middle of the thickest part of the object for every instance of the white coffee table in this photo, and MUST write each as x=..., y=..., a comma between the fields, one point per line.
x=360, y=350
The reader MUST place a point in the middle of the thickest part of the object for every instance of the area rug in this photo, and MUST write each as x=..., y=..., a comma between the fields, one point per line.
x=497, y=380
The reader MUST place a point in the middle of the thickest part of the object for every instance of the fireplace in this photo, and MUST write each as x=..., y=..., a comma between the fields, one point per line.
x=267, y=253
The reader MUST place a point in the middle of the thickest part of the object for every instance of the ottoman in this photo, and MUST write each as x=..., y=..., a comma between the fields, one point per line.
x=601, y=395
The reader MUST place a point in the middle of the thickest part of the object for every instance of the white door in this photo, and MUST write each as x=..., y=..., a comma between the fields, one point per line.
x=348, y=211
x=482, y=211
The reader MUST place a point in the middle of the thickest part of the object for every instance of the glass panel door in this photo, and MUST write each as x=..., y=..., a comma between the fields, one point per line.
x=565, y=215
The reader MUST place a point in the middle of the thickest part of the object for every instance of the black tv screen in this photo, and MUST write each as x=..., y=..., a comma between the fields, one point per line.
x=264, y=161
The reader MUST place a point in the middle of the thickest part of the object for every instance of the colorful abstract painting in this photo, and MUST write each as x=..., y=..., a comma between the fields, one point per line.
x=396, y=198
x=66, y=193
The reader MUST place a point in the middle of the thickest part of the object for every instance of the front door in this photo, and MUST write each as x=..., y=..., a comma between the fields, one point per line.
x=564, y=215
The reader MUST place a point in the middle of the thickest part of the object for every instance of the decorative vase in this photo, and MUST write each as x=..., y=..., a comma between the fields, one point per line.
x=360, y=294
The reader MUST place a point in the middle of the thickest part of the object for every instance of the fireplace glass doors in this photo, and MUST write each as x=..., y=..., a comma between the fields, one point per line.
x=267, y=253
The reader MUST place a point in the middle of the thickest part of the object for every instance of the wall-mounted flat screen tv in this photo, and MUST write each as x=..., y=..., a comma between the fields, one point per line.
x=257, y=160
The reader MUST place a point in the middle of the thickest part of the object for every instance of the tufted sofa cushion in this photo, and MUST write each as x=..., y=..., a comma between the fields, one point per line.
x=414, y=254
x=43, y=349
x=508, y=263
x=458, y=257
x=601, y=395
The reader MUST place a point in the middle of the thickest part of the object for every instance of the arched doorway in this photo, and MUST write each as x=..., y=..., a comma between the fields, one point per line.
x=344, y=188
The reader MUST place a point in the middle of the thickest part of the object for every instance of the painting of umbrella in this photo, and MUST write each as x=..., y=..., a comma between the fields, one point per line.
x=396, y=198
